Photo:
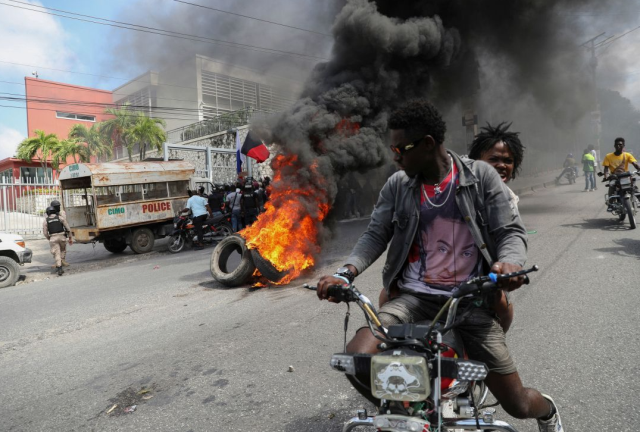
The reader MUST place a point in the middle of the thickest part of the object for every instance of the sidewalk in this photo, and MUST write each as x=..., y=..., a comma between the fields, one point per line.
x=81, y=257
x=526, y=185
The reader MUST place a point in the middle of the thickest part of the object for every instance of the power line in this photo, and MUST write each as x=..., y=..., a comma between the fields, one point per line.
x=253, y=18
x=161, y=32
x=15, y=97
x=611, y=40
x=54, y=110
x=127, y=79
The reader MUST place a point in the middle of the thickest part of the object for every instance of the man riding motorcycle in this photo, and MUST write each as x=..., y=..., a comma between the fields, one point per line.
x=448, y=220
x=618, y=162
x=570, y=167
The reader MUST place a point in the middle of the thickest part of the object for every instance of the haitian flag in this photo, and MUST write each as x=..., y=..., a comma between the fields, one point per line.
x=255, y=148
x=239, y=156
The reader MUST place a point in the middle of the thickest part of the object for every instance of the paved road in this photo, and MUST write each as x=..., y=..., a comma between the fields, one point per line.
x=216, y=359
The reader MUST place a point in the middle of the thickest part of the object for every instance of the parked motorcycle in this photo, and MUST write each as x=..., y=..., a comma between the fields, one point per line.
x=626, y=198
x=184, y=230
x=422, y=378
x=570, y=174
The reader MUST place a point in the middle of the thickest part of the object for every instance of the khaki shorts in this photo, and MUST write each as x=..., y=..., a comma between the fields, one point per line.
x=480, y=331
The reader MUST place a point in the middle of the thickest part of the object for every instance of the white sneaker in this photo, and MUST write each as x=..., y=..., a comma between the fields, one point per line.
x=553, y=424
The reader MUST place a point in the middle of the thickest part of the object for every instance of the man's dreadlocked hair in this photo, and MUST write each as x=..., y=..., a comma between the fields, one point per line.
x=490, y=136
x=419, y=117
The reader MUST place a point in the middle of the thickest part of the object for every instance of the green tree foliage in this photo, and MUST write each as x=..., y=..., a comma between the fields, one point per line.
x=95, y=142
x=147, y=133
x=41, y=146
x=69, y=148
x=116, y=130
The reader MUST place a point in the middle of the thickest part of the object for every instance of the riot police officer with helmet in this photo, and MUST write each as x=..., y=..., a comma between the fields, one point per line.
x=250, y=203
x=55, y=229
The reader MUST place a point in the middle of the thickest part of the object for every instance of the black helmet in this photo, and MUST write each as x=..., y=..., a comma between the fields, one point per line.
x=50, y=210
x=55, y=203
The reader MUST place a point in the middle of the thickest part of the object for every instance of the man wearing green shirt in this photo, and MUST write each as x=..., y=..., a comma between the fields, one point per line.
x=588, y=166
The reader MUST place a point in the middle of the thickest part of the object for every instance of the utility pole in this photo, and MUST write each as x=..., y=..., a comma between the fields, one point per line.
x=596, y=120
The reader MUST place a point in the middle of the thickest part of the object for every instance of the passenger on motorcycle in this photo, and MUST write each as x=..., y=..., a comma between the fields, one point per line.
x=466, y=226
x=618, y=163
x=504, y=151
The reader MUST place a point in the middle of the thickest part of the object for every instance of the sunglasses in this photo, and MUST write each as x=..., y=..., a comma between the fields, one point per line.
x=402, y=150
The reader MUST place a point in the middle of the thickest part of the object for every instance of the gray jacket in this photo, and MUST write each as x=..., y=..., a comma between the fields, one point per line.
x=483, y=200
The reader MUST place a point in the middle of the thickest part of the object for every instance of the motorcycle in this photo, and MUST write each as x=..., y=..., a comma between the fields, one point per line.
x=570, y=174
x=422, y=376
x=626, y=198
x=184, y=230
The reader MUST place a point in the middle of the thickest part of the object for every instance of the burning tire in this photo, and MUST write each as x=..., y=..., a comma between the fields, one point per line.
x=220, y=256
x=266, y=268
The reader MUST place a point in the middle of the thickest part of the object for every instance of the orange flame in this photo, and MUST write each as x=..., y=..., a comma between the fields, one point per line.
x=286, y=234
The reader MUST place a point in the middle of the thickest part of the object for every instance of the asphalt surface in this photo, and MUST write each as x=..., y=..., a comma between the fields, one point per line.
x=194, y=356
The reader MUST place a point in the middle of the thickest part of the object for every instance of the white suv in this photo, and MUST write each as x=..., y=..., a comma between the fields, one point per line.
x=12, y=252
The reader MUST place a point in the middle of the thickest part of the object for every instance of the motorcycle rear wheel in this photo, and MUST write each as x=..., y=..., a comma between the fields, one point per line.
x=629, y=209
x=176, y=243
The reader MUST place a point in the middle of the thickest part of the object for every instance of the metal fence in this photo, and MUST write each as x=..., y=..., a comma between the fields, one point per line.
x=23, y=205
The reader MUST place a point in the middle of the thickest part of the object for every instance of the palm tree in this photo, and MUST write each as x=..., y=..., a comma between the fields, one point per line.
x=69, y=148
x=116, y=130
x=94, y=140
x=147, y=132
x=42, y=145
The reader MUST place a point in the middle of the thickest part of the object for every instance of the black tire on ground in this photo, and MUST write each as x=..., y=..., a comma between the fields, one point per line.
x=266, y=268
x=115, y=245
x=220, y=256
x=142, y=240
x=629, y=209
x=9, y=272
x=176, y=243
x=622, y=215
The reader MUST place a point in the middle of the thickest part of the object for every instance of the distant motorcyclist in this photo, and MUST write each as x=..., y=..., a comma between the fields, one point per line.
x=569, y=166
x=200, y=210
x=55, y=229
x=618, y=162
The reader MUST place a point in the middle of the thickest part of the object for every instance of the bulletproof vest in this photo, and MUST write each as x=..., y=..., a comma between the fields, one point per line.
x=54, y=225
x=250, y=201
x=215, y=201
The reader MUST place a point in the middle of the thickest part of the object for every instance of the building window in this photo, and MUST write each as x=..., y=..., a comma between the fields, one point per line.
x=34, y=174
x=6, y=176
x=72, y=116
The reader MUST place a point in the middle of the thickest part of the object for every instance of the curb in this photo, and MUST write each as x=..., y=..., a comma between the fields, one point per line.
x=532, y=189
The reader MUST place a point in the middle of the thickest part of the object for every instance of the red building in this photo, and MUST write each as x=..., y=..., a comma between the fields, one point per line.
x=55, y=107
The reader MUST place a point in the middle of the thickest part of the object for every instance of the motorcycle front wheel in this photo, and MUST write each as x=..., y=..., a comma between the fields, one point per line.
x=176, y=243
x=629, y=210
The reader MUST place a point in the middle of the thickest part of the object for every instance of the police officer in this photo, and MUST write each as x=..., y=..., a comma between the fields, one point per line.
x=250, y=205
x=55, y=229
x=56, y=206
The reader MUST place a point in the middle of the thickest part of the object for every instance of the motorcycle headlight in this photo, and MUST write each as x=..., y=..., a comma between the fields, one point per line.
x=400, y=378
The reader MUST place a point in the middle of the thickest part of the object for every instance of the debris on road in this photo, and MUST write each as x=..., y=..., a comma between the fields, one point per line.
x=290, y=368
x=130, y=409
x=112, y=408
x=156, y=267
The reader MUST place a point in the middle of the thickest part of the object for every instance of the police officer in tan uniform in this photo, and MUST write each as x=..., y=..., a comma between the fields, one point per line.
x=56, y=206
x=55, y=229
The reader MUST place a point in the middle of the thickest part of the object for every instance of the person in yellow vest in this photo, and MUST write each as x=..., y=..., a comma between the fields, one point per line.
x=55, y=229
x=618, y=163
